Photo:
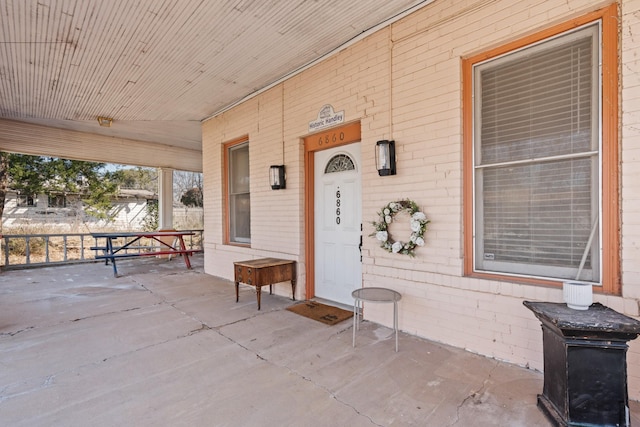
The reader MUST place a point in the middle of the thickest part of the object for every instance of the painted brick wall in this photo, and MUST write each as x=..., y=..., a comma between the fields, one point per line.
x=404, y=83
x=630, y=82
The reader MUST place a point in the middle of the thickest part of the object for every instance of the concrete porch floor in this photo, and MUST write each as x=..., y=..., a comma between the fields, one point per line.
x=164, y=346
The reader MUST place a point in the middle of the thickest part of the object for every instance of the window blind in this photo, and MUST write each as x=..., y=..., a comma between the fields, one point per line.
x=536, y=159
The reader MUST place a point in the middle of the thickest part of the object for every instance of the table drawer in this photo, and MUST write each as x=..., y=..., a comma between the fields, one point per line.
x=245, y=274
x=263, y=276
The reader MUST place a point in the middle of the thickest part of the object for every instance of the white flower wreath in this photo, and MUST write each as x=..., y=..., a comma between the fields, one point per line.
x=418, y=226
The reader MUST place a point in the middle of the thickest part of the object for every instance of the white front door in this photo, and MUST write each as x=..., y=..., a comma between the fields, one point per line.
x=338, y=227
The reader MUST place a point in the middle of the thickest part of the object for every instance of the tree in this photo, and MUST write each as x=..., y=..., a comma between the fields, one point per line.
x=192, y=198
x=33, y=175
x=152, y=218
x=4, y=179
x=138, y=178
x=187, y=182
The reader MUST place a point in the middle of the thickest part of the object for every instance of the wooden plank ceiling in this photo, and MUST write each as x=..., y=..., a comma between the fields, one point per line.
x=160, y=67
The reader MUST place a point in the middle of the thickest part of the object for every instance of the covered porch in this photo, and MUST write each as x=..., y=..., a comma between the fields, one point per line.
x=165, y=346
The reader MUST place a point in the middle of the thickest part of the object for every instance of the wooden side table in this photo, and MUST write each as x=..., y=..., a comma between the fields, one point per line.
x=265, y=271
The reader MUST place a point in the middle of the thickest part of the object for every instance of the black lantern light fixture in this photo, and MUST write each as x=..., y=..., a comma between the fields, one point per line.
x=276, y=177
x=386, y=157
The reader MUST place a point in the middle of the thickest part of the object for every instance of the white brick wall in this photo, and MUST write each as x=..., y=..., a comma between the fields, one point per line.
x=404, y=83
x=630, y=82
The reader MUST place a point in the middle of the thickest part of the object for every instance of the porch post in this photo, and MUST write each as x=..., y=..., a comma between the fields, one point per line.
x=165, y=198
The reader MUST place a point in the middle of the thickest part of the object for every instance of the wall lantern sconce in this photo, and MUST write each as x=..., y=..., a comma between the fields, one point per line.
x=386, y=157
x=105, y=121
x=276, y=177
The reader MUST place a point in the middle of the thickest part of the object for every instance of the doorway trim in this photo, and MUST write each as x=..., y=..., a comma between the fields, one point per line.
x=330, y=138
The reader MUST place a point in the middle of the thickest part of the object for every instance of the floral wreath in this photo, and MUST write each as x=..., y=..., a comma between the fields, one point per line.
x=418, y=224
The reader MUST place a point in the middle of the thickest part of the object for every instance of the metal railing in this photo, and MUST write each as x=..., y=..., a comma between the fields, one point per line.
x=37, y=250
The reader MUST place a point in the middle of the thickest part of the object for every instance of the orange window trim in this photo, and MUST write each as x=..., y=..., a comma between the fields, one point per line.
x=610, y=142
x=225, y=190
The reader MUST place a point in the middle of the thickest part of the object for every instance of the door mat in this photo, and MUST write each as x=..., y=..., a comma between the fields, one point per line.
x=326, y=314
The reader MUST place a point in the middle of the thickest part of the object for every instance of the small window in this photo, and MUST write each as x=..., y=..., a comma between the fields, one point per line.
x=25, y=201
x=238, y=193
x=57, y=201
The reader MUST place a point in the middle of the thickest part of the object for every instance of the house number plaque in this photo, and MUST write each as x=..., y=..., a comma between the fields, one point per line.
x=333, y=137
x=338, y=206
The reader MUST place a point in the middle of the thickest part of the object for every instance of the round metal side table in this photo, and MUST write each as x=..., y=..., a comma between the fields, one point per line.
x=375, y=295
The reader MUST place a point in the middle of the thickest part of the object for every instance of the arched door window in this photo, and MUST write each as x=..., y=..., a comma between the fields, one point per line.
x=339, y=163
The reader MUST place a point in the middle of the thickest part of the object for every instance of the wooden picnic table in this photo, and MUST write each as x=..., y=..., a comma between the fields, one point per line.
x=111, y=251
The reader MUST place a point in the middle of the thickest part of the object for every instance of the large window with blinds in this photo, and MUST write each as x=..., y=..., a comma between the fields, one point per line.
x=536, y=167
x=238, y=194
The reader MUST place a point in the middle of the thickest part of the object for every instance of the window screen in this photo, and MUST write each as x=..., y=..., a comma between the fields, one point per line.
x=536, y=157
x=239, y=200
